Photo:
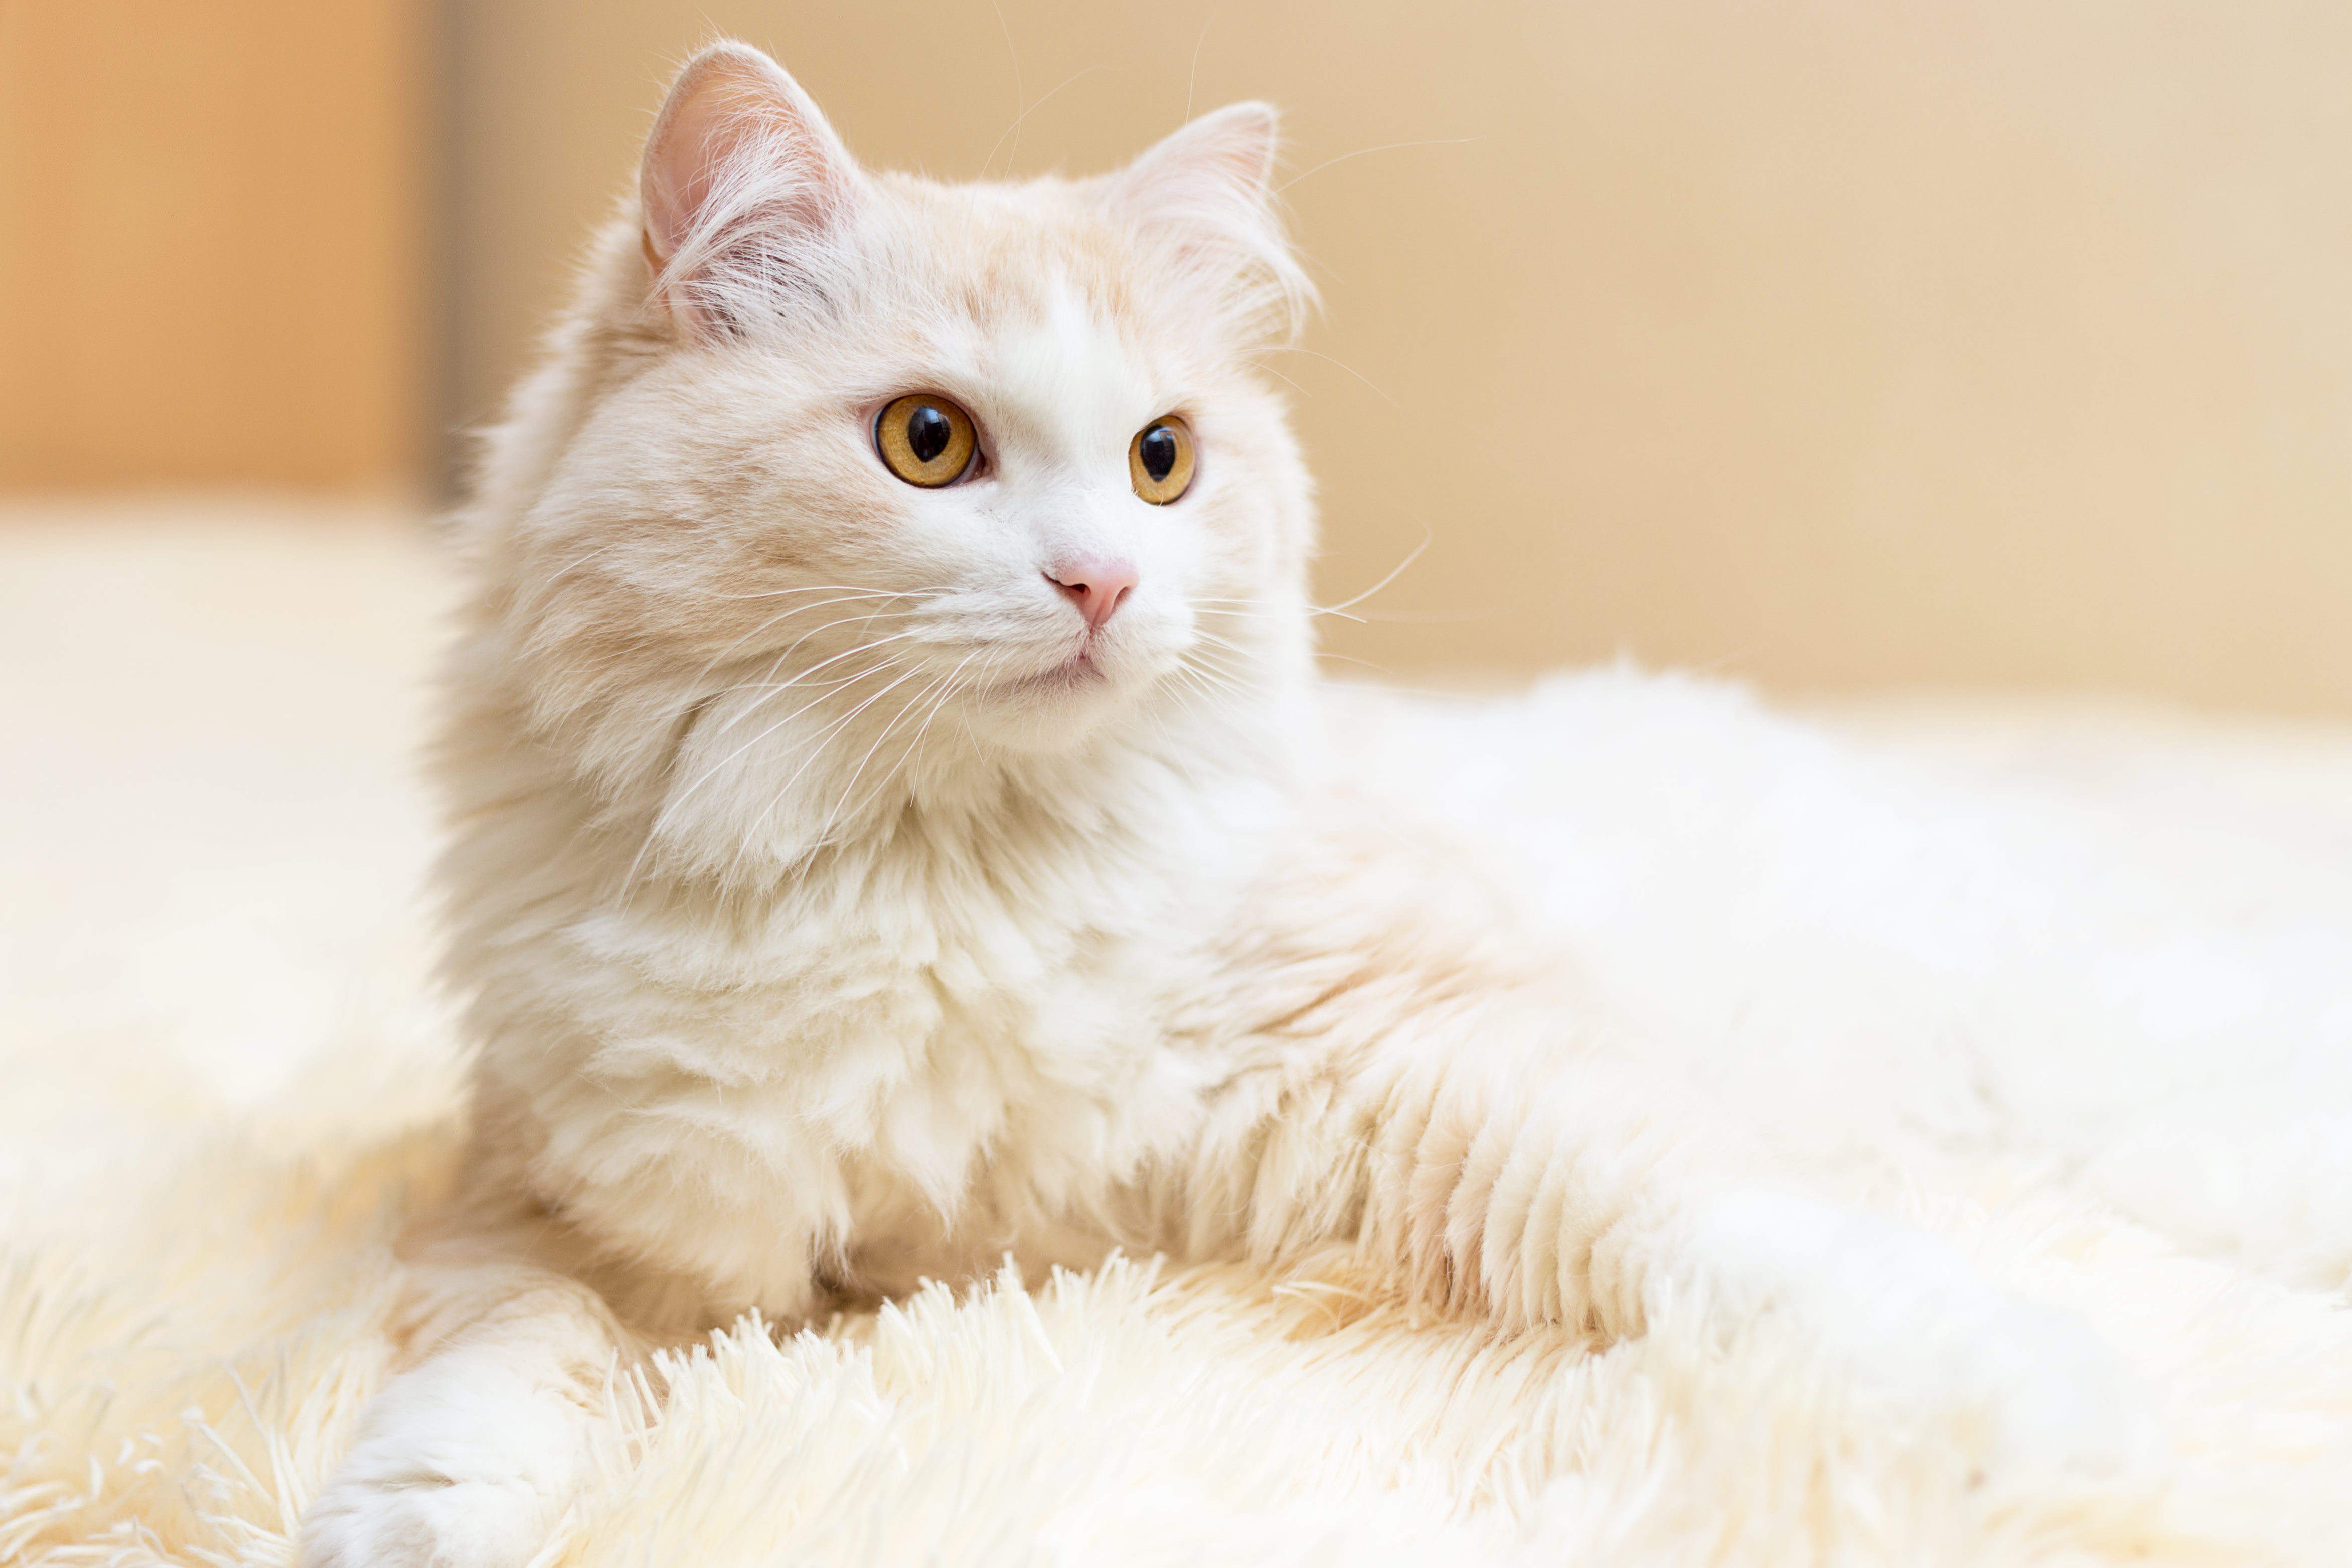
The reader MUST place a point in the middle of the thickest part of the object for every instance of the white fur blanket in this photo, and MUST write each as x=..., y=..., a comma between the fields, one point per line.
x=223, y=1083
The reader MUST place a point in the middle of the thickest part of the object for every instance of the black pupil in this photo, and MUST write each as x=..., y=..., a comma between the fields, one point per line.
x=1159, y=451
x=928, y=433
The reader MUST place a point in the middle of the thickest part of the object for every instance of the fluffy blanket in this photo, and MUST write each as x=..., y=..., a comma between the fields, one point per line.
x=224, y=1081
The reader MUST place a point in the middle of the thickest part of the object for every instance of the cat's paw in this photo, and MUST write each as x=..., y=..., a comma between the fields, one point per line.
x=1922, y=1342
x=2062, y=1395
x=425, y=1521
x=2035, y=1390
x=466, y=1462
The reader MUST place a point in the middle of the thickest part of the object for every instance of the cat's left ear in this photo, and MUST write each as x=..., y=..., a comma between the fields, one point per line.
x=1205, y=198
x=741, y=183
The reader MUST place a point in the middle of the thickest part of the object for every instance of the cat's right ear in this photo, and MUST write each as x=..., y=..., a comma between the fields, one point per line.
x=743, y=178
x=1205, y=199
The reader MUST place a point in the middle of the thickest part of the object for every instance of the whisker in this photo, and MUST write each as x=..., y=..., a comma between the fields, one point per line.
x=1193, y=76
x=714, y=661
x=577, y=563
x=815, y=744
x=1329, y=358
x=1428, y=537
x=850, y=783
x=1367, y=152
x=1020, y=96
x=1262, y=613
x=849, y=590
x=814, y=748
x=1282, y=378
x=1351, y=658
x=670, y=806
x=945, y=688
x=796, y=680
x=923, y=734
x=784, y=654
x=1013, y=129
x=793, y=646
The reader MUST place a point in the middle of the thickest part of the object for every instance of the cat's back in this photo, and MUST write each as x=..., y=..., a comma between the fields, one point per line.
x=1857, y=939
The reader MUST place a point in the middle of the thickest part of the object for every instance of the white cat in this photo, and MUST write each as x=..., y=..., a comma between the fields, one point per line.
x=896, y=822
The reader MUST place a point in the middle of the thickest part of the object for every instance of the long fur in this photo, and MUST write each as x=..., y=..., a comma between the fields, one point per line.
x=837, y=911
x=228, y=1087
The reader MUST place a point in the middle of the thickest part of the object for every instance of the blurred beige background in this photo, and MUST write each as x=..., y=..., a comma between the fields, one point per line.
x=1837, y=345
x=211, y=243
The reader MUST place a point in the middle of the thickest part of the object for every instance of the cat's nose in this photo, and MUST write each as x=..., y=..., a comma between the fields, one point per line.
x=1095, y=584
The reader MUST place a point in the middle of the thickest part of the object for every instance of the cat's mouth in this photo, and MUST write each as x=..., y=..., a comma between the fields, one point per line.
x=1052, y=709
x=1079, y=670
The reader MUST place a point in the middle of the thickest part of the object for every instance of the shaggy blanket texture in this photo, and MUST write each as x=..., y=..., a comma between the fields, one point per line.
x=226, y=1082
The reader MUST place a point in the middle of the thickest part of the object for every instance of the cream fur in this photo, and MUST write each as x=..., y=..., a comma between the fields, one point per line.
x=228, y=1095
x=836, y=908
x=834, y=911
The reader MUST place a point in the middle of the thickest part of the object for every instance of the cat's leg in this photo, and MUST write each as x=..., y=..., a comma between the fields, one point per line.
x=2250, y=1173
x=1487, y=1159
x=468, y=1458
x=1915, y=1329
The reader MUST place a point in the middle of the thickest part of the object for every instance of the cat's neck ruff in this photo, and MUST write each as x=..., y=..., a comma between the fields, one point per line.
x=1123, y=822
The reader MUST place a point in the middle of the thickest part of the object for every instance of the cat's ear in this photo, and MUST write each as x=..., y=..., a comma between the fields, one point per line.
x=1206, y=197
x=742, y=178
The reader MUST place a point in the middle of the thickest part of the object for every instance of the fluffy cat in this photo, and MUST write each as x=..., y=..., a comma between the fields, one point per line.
x=894, y=822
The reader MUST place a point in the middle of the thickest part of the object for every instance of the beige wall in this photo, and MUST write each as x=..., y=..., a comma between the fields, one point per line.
x=212, y=223
x=1835, y=343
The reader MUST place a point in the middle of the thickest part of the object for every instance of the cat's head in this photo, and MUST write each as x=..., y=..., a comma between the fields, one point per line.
x=843, y=483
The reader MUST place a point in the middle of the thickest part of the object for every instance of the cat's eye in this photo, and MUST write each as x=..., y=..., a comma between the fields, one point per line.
x=1160, y=461
x=925, y=439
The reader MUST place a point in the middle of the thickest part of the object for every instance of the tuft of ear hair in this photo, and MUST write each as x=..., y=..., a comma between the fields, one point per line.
x=740, y=181
x=1204, y=196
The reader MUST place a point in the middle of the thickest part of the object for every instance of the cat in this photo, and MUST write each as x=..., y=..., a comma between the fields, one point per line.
x=896, y=822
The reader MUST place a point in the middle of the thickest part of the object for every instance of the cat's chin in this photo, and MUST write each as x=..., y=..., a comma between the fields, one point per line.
x=1052, y=710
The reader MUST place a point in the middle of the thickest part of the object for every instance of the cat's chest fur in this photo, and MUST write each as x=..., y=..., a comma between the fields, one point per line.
x=896, y=1061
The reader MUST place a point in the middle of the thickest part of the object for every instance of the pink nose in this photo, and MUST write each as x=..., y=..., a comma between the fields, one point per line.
x=1094, y=585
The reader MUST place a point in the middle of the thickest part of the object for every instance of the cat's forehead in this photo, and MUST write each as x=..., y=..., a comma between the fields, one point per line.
x=1006, y=248
x=1032, y=262
x=1027, y=296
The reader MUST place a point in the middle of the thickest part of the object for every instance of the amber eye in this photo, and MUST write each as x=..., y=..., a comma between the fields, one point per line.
x=925, y=440
x=1160, y=461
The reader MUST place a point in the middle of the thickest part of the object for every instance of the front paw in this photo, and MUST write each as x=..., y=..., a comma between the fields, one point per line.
x=2035, y=1389
x=425, y=1521
x=468, y=1462
x=1923, y=1343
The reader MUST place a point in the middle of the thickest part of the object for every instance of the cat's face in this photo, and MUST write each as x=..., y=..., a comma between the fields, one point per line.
x=876, y=460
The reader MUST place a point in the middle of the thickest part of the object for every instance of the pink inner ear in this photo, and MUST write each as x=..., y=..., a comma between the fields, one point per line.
x=734, y=113
x=681, y=165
